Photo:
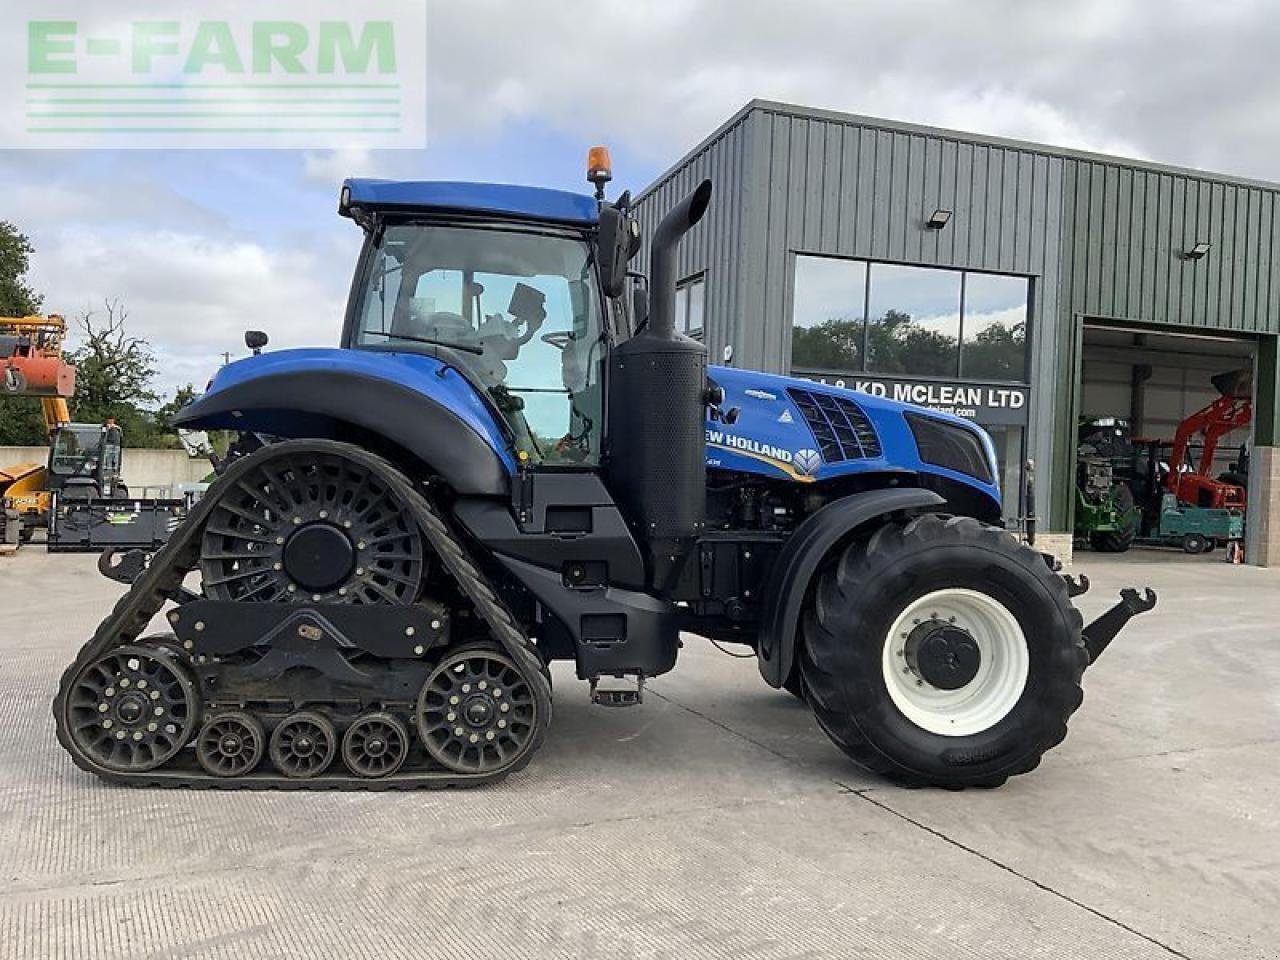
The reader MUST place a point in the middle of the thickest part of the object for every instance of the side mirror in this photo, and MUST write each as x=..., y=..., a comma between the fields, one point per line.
x=255, y=340
x=618, y=238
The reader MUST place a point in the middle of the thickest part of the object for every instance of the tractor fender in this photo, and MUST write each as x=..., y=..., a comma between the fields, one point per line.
x=346, y=404
x=804, y=552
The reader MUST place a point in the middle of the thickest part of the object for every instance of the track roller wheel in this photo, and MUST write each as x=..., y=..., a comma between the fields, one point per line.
x=230, y=743
x=476, y=712
x=132, y=709
x=375, y=745
x=303, y=745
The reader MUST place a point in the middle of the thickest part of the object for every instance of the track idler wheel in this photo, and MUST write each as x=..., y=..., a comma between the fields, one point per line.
x=303, y=745
x=132, y=709
x=476, y=712
x=376, y=745
x=230, y=744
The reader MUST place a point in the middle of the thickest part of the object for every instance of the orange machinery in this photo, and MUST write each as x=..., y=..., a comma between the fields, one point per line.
x=31, y=365
x=1194, y=484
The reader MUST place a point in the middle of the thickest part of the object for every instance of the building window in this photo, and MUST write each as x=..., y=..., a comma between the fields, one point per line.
x=850, y=316
x=828, y=316
x=995, y=327
x=691, y=303
x=913, y=321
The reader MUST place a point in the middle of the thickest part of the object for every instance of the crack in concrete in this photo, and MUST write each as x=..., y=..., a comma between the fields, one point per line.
x=863, y=794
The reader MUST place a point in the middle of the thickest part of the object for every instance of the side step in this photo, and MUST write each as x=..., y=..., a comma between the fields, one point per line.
x=618, y=693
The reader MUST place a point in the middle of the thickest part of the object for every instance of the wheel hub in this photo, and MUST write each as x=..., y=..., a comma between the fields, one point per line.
x=230, y=745
x=319, y=557
x=131, y=708
x=943, y=655
x=478, y=711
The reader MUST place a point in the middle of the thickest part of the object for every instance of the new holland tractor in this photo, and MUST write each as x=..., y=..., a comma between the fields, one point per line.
x=510, y=461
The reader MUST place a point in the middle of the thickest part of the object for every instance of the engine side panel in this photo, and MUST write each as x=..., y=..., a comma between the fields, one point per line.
x=770, y=436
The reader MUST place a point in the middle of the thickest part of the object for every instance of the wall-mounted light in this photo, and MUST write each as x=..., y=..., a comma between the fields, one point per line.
x=1198, y=251
x=938, y=219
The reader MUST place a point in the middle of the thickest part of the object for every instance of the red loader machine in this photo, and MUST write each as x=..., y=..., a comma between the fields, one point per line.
x=508, y=462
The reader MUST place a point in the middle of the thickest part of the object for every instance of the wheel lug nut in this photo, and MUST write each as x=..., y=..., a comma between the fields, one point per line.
x=346, y=524
x=324, y=514
x=451, y=716
x=107, y=724
x=483, y=685
x=497, y=691
x=159, y=711
x=361, y=545
x=475, y=738
x=488, y=735
x=152, y=727
x=502, y=724
x=409, y=631
x=458, y=731
x=504, y=707
x=297, y=521
x=142, y=684
x=454, y=701
x=293, y=588
x=110, y=691
x=466, y=688
x=418, y=650
x=137, y=735
x=154, y=694
x=103, y=708
x=279, y=541
x=120, y=734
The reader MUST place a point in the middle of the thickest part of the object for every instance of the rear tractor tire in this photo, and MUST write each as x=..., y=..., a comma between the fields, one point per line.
x=1116, y=541
x=942, y=652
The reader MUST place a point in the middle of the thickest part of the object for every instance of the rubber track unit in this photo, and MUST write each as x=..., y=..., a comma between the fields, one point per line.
x=162, y=581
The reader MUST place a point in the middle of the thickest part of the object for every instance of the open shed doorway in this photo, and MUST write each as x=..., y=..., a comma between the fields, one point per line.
x=1137, y=387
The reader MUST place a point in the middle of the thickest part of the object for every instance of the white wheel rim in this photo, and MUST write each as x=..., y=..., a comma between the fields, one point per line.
x=992, y=692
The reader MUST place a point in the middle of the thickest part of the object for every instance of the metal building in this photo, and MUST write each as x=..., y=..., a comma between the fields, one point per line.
x=1017, y=284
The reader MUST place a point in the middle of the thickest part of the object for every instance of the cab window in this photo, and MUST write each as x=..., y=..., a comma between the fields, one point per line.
x=519, y=309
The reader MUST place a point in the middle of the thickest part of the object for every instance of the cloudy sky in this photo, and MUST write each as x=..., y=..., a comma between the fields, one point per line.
x=201, y=244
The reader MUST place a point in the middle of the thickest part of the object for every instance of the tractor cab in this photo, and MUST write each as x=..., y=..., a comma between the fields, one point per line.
x=514, y=305
x=84, y=460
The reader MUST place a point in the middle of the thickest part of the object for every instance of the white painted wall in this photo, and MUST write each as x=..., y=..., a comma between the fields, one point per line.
x=142, y=468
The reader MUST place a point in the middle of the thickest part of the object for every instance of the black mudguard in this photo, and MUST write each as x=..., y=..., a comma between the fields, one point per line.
x=804, y=552
x=340, y=405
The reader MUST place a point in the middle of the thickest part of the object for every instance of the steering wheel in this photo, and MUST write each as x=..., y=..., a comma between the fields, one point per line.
x=560, y=339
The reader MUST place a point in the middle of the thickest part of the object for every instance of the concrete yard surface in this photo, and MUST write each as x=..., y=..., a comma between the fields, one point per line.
x=715, y=820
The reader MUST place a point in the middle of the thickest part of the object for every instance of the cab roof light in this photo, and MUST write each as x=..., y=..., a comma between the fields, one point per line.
x=599, y=169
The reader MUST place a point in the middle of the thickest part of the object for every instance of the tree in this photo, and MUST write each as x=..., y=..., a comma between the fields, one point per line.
x=114, y=374
x=21, y=421
x=834, y=344
x=17, y=299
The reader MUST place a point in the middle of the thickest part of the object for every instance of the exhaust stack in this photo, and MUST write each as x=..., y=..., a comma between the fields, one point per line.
x=657, y=412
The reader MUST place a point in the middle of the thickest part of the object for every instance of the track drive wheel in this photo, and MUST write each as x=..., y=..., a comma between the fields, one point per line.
x=942, y=652
x=479, y=713
x=303, y=745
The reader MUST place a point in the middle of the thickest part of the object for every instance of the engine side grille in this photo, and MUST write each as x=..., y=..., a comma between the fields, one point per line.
x=839, y=426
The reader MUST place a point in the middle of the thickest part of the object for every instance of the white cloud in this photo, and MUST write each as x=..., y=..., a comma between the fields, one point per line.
x=192, y=296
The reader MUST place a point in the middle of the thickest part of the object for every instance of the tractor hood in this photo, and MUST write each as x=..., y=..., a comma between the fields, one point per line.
x=809, y=432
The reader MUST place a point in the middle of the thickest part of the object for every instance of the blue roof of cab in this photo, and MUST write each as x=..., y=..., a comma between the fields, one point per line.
x=504, y=199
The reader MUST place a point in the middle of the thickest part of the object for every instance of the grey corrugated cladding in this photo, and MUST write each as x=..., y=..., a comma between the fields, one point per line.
x=1101, y=236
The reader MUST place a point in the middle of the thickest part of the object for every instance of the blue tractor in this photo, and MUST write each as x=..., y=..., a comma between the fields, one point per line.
x=509, y=461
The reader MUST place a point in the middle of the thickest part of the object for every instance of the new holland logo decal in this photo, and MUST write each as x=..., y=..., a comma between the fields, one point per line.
x=807, y=461
x=800, y=465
